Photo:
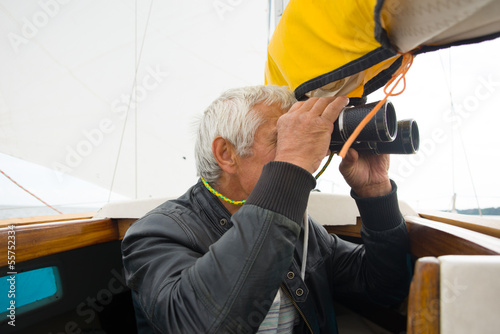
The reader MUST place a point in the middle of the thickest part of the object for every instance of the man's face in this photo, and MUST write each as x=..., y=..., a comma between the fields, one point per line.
x=263, y=149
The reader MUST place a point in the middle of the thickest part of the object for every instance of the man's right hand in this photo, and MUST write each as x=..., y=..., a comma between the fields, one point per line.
x=304, y=132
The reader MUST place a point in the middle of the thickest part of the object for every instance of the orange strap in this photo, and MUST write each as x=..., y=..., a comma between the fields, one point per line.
x=396, y=78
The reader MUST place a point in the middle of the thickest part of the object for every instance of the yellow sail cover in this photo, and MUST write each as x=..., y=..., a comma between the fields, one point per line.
x=347, y=47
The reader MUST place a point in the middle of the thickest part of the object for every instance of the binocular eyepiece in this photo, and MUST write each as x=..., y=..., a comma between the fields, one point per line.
x=382, y=135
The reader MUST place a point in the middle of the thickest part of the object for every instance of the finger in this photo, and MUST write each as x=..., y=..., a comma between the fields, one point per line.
x=348, y=162
x=303, y=105
x=320, y=104
x=297, y=105
x=333, y=109
x=350, y=157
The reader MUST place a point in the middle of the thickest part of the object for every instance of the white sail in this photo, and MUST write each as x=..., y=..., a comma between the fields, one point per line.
x=108, y=91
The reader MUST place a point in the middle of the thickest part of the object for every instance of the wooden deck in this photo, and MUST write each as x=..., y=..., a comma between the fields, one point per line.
x=41, y=236
x=47, y=236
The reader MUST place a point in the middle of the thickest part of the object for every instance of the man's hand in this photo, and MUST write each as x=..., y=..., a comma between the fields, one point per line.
x=367, y=174
x=304, y=132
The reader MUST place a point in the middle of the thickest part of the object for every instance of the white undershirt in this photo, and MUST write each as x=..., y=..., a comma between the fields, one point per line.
x=281, y=316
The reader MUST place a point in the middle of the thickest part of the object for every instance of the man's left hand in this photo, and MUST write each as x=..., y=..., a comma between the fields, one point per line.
x=367, y=174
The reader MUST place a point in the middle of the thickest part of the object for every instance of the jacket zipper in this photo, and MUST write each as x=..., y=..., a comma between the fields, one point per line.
x=297, y=308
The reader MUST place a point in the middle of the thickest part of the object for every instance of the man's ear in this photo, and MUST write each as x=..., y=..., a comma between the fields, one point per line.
x=224, y=154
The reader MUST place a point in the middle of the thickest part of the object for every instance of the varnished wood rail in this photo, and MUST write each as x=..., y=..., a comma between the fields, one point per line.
x=432, y=238
x=423, y=301
x=34, y=240
x=58, y=234
x=45, y=219
x=484, y=224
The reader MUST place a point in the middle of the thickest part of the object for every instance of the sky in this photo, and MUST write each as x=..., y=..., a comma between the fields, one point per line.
x=453, y=95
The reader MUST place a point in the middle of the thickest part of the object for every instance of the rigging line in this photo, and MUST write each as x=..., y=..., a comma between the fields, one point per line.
x=453, y=150
x=134, y=84
x=452, y=126
x=470, y=173
x=135, y=105
x=38, y=198
x=269, y=10
x=459, y=134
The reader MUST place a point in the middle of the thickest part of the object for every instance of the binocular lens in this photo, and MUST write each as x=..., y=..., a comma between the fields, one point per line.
x=382, y=135
x=407, y=141
x=381, y=128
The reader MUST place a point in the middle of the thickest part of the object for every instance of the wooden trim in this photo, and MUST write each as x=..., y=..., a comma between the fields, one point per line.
x=45, y=219
x=347, y=230
x=423, y=300
x=479, y=224
x=123, y=225
x=37, y=240
x=430, y=238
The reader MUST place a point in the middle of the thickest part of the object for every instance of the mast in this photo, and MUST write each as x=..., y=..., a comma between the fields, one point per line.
x=453, y=203
x=458, y=133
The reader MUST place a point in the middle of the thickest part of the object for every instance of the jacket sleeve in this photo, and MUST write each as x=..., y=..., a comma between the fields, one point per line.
x=378, y=270
x=231, y=287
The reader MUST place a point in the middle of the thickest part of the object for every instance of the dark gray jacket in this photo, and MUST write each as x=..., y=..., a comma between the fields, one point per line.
x=194, y=268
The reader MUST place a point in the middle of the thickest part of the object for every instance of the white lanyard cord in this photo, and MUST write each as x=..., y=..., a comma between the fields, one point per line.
x=305, y=243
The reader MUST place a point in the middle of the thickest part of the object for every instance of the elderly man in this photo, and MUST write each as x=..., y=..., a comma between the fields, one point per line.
x=228, y=257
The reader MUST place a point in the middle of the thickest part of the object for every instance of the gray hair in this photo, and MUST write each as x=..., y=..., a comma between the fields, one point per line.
x=232, y=117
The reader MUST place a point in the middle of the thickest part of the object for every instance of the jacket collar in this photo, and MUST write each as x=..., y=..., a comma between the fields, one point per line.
x=211, y=206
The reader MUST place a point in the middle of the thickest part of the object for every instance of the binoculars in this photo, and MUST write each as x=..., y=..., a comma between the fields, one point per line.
x=382, y=135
